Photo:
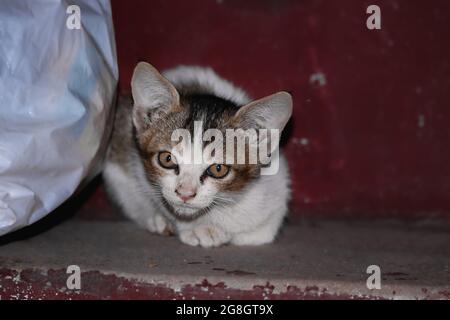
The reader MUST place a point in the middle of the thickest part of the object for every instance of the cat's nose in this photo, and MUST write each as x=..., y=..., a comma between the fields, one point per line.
x=185, y=194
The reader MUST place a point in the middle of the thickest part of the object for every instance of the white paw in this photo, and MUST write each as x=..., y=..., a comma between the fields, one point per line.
x=205, y=236
x=158, y=224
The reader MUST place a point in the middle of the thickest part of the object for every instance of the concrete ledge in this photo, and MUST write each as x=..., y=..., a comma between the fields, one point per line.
x=310, y=260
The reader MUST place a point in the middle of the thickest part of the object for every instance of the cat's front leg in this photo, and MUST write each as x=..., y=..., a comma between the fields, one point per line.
x=157, y=223
x=204, y=235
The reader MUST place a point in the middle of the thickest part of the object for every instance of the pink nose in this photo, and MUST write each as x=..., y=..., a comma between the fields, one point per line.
x=185, y=194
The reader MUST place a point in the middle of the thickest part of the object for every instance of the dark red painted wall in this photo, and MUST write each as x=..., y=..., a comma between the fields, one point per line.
x=374, y=139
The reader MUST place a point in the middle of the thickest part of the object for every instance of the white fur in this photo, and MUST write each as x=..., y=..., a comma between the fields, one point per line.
x=208, y=79
x=252, y=217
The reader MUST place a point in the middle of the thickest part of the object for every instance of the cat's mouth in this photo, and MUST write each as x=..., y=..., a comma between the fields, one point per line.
x=186, y=211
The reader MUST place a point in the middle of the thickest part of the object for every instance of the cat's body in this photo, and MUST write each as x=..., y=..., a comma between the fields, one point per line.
x=242, y=208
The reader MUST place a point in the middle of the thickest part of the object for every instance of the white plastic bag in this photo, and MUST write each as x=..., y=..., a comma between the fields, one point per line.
x=57, y=88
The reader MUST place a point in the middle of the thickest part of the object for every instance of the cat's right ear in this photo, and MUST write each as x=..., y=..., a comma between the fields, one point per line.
x=153, y=96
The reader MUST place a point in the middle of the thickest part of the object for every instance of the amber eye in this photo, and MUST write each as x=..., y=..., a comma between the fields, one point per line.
x=167, y=160
x=218, y=170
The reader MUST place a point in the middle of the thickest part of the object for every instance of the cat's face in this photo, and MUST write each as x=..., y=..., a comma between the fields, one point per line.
x=188, y=186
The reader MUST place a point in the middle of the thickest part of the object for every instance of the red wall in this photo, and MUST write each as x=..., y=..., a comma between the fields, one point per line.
x=374, y=139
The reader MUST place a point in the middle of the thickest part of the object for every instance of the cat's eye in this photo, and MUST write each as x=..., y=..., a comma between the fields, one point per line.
x=167, y=160
x=218, y=171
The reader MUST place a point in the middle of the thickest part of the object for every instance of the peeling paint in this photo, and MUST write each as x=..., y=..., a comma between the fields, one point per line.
x=421, y=121
x=318, y=78
x=106, y=286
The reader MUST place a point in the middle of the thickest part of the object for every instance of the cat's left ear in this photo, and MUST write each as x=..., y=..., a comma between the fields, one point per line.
x=271, y=112
x=153, y=96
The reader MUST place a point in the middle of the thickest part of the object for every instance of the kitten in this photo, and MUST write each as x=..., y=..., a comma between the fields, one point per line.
x=204, y=204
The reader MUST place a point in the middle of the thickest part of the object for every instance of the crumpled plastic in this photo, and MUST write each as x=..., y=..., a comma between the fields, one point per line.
x=57, y=91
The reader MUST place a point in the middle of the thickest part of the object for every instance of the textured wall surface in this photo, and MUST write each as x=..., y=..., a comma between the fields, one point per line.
x=371, y=118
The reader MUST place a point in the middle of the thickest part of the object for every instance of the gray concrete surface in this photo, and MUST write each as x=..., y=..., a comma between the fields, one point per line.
x=317, y=257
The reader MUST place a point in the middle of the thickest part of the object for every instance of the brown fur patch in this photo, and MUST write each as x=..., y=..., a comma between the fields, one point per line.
x=243, y=174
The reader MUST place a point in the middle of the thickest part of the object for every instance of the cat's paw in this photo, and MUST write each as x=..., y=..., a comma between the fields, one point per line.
x=205, y=236
x=158, y=224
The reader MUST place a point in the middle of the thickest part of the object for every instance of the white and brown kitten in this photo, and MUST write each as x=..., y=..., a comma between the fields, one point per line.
x=206, y=205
